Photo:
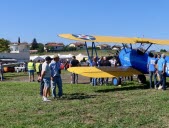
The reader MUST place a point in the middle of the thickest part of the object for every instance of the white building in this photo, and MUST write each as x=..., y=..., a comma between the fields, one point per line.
x=52, y=46
x=78, y=45
x=18, y=51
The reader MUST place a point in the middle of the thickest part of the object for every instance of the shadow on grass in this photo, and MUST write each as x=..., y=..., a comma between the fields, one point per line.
x=77, y=96
x=126, y=87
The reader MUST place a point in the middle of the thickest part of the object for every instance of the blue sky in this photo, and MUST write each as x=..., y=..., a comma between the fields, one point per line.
x=45, y=19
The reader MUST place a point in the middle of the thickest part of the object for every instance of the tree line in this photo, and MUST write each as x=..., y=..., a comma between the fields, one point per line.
x=4, y=46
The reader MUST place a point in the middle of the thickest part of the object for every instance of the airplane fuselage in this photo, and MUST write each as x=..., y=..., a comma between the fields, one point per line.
x=133, y=58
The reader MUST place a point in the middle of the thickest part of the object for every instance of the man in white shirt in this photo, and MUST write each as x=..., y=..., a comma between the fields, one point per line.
x=45, y=75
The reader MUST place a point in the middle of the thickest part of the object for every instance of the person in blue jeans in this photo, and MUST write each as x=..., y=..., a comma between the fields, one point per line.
x=94, y=64
x=74, y=63
x=41, y=81
x=161, y=65
x=45, y=75
x=152, y=70
x=56, y=77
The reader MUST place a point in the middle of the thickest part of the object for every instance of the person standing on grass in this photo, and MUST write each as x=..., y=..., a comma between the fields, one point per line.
x=45, y=75
x=152, y=70
x=100, y=80
x=74, y=63
x=161, y=65
x=158, y=76
x=41, y=79
x=105, y=63
x=56, y=77
x=1, y=71
x=37, y=70
x=31, y=69
x=94, y=64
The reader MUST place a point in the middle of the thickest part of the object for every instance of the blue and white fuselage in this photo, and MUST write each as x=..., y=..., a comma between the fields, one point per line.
x=131, y=58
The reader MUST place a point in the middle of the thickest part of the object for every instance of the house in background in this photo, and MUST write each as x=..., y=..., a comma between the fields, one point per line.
x=18, y=51
x=77, y=45
x=19, y=47
x=103, y=46
x=33, y=51
x=53, y=46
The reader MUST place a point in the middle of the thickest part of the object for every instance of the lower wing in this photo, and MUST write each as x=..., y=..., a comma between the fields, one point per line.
x=104, y=72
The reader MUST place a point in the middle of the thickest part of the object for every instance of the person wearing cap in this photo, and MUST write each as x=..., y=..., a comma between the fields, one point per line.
x=74, y=63
x=56, y=77
x=45, y=75
x=161, y=65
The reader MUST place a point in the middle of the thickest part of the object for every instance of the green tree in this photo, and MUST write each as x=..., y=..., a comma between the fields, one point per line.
x=49, y=48
x=34, y=44
x=65, y=48
x=72, y=49
x=163, y=50
x=40, y=47
x=4, y=45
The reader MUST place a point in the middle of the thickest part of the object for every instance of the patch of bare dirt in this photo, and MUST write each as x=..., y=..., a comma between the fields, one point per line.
x=66, y=78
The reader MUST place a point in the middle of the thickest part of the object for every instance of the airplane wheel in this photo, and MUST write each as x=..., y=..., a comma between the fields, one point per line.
x=141, y=79
x=116, y=81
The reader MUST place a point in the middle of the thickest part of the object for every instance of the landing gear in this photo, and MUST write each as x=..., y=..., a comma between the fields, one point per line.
x=116, y=81
x=141, y=79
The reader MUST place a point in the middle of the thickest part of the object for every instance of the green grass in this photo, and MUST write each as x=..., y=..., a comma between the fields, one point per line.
x=84, y=106
x=12, y=74
x=82, y=51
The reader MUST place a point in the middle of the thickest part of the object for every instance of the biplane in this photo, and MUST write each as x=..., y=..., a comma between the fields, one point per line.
x=133, y=61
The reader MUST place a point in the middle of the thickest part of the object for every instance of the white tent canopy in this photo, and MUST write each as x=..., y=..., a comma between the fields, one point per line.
x=36, y=58
x=69, y=56
x=81, y=56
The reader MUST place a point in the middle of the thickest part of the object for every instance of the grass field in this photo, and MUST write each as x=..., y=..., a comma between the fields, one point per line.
x=84, y=106
x=99, y=52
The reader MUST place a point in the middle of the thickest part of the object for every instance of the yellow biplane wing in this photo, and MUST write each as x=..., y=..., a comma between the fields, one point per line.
x=104, y=72
x=111, y=39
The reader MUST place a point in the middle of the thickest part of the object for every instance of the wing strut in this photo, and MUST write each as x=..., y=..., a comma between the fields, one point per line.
x=130, y=45
x=148, y=48
x=93, y=49
x=90, y=61
x=124, y=47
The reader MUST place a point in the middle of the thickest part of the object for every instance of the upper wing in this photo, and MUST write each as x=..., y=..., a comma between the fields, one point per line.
x=90, y=38
x=153, y=41
x=111, y=39
x=104, y=72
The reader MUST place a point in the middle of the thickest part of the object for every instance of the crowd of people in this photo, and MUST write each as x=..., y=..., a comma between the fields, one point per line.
x=48, y=73
x=156, y=67
x=106, y=62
